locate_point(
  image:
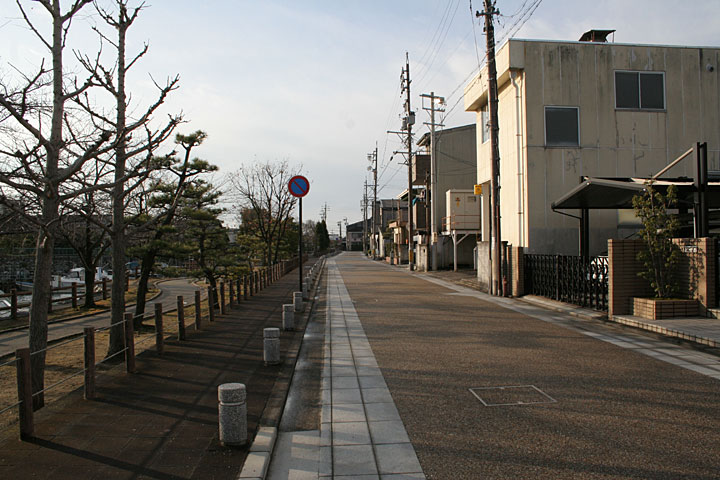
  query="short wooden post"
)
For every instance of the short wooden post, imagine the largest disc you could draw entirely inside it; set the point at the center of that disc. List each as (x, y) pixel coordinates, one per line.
(198, 311)
(73, 288)
(231, 288)
(159, 335)
(13, 304)
(238, 285)
(246, 294)
(24, 389)
(104, 289)
(89, 340)
(181, 317)
(222, 298)
(211, 304)
(129, 344)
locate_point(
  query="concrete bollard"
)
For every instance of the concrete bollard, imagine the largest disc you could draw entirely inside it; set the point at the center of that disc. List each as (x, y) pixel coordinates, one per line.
(306, 289)
(271, 346)
(298, 301)
(288, 316)
(232, 414)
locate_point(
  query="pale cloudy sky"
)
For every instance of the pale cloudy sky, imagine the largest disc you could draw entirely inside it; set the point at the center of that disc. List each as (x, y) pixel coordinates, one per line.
(317, 83)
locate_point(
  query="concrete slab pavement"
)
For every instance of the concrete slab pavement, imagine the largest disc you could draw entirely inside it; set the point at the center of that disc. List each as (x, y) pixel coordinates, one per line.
(361, 434)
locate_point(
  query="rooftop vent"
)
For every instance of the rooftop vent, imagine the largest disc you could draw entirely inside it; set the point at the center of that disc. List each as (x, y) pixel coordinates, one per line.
(596, 36)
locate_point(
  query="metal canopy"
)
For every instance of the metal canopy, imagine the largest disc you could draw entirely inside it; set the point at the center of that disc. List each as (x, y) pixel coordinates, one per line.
(617, 193)
(600, 193)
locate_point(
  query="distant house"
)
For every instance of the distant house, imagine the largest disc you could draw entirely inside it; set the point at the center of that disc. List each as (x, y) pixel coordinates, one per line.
(354, 236)
(391, 213)
(572, 110)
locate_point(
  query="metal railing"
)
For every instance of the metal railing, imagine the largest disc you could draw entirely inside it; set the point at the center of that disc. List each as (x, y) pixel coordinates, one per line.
(462, 222)
(577, 280)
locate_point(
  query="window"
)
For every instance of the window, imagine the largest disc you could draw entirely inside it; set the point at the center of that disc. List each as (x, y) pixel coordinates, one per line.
(562, 126)
(485, 121)
(640, 90)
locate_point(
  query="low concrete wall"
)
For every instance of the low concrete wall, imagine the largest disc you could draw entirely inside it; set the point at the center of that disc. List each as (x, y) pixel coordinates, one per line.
(483, 265)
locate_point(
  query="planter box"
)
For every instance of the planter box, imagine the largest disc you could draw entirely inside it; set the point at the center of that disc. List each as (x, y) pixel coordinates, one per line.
(656, 309)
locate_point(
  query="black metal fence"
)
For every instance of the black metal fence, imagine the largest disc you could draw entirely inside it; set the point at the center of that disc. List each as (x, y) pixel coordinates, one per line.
(580, 281)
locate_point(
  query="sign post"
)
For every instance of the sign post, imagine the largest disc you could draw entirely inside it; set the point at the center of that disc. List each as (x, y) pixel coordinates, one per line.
(299, 187)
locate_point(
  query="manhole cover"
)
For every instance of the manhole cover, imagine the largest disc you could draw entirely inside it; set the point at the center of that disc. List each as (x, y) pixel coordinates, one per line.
(511, 395)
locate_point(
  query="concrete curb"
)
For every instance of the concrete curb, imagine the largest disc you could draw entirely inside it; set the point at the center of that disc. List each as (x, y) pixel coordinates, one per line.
(260, 452)
(572, 310)
(636, 322)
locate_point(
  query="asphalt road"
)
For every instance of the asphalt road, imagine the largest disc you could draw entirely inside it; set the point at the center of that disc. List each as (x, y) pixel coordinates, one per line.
(170, 289)
(614, 413)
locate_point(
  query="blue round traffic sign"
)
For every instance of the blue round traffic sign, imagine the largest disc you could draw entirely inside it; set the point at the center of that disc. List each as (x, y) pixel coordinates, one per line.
(298, 186)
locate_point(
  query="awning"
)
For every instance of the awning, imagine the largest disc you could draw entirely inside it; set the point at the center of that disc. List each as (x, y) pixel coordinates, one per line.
(603, 193)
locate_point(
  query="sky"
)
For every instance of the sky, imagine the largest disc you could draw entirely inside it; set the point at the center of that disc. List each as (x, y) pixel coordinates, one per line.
(317, 83)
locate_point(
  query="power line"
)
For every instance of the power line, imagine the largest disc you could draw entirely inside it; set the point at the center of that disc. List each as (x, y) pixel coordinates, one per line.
(440, 44)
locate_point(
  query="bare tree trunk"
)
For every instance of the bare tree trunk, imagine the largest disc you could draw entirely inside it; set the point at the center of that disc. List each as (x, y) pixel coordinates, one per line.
(117, 343)
(142, 287)
(89, 286)
(39, 306)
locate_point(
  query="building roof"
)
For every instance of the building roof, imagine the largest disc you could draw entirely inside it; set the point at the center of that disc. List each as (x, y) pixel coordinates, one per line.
(424, 141)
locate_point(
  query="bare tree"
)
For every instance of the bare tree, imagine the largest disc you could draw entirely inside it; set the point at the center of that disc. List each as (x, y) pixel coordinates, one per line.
(48, 148)
(265, 203)
(134, 144)
(83, 225)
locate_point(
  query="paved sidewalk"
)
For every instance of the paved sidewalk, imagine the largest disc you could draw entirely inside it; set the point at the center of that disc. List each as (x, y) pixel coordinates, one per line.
(361, 434)
(498, 388)
(160, 423)
(700, 330)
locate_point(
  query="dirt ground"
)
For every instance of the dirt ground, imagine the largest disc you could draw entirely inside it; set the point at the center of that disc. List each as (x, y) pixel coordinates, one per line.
(64, 365)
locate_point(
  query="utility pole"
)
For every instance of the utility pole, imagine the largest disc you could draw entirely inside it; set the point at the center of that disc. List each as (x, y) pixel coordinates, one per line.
(497, 281)
(339, 223)
(364, 209)
(323, 212)
(436, 105)
(408, 122)
(372, 158)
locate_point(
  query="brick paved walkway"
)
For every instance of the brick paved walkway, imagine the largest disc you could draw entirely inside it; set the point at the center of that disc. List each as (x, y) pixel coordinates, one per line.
(161, 422)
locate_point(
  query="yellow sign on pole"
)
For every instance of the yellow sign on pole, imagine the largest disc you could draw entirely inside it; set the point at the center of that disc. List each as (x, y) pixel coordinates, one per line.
(478, 189)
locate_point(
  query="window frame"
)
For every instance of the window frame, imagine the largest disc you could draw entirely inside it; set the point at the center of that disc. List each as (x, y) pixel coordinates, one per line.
(485, 125)
(577, 110)
(640, 108)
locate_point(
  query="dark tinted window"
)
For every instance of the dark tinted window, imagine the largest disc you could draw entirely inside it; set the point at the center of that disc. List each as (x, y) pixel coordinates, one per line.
(561, 126)
(652, 91)
(640, 90)
(627, 94)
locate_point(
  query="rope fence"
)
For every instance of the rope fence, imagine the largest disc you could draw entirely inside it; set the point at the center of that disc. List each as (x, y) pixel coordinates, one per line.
(186, 314)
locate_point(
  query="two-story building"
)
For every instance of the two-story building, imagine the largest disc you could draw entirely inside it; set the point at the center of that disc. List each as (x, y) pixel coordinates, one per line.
(589, 109)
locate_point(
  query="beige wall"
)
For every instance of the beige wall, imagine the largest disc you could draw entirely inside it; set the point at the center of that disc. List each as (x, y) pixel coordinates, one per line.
(613, 143)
